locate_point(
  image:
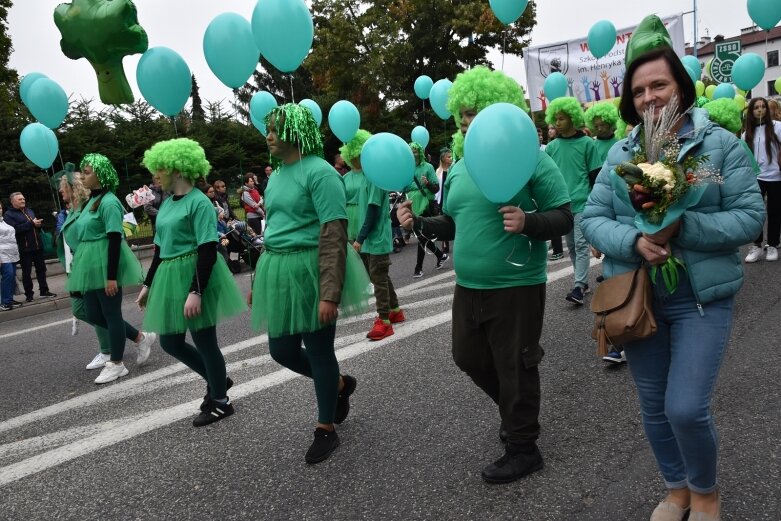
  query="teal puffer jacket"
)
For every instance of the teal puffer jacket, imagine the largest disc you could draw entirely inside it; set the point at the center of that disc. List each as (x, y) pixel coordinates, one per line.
(728, 215)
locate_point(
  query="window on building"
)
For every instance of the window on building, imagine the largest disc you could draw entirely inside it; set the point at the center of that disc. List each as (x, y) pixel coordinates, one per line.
(771, 88)
(772, 58)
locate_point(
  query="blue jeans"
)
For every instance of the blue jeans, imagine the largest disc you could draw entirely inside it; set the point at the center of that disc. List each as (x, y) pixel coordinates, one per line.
(7, 282)
(579, 253)
(675, 372)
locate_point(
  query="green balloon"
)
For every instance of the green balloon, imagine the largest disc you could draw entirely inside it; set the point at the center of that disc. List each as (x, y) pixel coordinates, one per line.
(709, 90)
(699, 88)
(777, 85)
(103, 32)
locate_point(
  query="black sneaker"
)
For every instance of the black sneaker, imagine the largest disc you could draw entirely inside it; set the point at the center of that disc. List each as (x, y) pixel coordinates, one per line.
(205, 402)
(6, 307)
(48, 294)
(418, 274)
(16, 303)
(343, 401)
(215, 411)
(575, 296)
(28, 299)
(442, 260)
(324, 444)
(516, 463)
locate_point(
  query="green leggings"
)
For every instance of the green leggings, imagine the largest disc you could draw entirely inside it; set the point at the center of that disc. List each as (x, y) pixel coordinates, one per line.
(205, 358)
(317, 361)
(80, 312)
(106, 312)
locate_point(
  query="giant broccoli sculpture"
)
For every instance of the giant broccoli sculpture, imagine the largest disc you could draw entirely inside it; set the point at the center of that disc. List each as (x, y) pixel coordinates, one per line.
(103, 32)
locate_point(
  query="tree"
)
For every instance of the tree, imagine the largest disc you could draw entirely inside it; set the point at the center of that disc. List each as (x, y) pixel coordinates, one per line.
(197, 109)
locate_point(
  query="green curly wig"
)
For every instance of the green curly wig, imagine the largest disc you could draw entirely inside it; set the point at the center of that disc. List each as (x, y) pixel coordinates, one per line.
(352, 149)
(480, 87)
(620, 129)
(701, 101)
(605, 111)
(414, 145)
(457, 145)
(296, 125)
(725, 114)
(107, 175)
(568, 105)
(178, 155)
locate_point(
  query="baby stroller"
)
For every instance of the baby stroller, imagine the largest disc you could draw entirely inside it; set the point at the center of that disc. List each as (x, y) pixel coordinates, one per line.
(239, 238)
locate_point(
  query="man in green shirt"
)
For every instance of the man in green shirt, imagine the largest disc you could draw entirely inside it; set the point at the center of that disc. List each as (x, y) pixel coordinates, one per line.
(575, 154)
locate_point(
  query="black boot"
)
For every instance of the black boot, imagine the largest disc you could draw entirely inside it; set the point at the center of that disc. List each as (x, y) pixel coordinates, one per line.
(517, 462)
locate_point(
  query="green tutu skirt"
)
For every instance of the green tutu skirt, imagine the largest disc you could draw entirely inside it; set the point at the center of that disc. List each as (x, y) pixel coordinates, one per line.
(419, 201)
(353, 216)
(171, 287)
(286, 292)
(89, 270)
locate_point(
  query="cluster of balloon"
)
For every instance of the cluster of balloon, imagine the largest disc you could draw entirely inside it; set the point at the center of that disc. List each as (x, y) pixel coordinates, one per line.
(48, 103)
(103, 32)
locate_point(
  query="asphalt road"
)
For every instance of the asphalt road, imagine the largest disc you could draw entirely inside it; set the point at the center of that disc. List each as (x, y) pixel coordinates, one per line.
(413, 447)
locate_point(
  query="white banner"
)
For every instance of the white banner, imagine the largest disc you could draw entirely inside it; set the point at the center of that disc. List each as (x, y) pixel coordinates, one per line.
(589, 79)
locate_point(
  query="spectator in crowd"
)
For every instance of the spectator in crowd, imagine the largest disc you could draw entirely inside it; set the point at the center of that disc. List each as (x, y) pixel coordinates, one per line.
(253, 204)
(28, 239)
(152, 208)
(9, 256)
(340, 165)
(221, 196)
(541, 138)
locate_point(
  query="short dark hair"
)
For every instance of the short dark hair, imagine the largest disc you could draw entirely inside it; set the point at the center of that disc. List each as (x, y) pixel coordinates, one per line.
(681, 77)
(249, 176)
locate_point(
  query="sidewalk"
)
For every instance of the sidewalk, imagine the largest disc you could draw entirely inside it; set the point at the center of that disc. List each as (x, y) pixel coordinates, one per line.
(55, 277)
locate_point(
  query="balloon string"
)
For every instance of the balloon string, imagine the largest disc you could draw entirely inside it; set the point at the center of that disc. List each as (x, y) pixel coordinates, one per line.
(292, 94)
(515, 245)
(423, 102)
(504, 45)
(176, 130)
(55, 199)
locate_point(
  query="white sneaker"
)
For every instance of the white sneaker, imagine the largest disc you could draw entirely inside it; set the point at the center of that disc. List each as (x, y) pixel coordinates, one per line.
(145, 347)
(772, 254)
(111, 372)
(754, 253)
(99, 361)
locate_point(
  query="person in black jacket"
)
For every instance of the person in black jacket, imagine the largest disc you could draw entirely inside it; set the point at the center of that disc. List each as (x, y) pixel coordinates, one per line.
(28, 238)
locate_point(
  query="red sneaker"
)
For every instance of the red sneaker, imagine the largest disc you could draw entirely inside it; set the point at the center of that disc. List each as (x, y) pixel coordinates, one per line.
(380, 330)
(397, 316)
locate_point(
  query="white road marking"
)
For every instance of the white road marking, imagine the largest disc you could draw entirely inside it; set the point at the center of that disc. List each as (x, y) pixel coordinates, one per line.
(37, 328)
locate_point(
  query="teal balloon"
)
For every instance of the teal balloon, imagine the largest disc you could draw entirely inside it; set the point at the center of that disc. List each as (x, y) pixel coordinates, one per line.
(344, 120)
(724, 90)
(555, 86)
(501, 149)
(39, 144)
(27, 82)
(691, 72)
(47, 102)
(694, 64)
(230, 50)
(283, 32)
(420, 135)
(748, 71)
(438, 98)
(423, 86)
(601, 38)
(388, 162)
(164, 80)
(508, 11)
(260, 105)
(765, 13)
(314, 108)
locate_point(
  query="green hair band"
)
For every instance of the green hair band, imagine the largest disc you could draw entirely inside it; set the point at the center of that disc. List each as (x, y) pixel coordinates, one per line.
(178, 155)
(605, 111)
(568, 105)
(725, 114)
(296, 124)
(107, 175)
(480, 87)
(352, 149)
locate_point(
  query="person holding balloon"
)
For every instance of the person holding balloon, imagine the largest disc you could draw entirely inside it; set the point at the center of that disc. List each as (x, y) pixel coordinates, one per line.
(499, 300)
(421, 193)
(103, 263)
(307, 270)
(374, 241)
(763, 136)
(676, 369)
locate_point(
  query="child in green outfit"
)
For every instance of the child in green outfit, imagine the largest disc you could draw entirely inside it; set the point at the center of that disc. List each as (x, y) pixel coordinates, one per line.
(307, 271)
(189, 286)
(421, 192)
(374, 240)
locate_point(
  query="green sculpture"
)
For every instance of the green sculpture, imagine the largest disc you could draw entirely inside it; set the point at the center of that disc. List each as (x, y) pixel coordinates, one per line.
(103, 32)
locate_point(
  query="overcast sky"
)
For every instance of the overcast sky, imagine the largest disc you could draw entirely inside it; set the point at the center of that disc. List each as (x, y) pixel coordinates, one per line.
(180, 24)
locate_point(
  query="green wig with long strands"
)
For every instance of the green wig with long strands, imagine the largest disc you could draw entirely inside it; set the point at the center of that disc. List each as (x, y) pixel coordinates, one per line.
(568, 105)
(178, 155)
(296, 125)
(414, 145)
(605, 111)
(353, 148)
(107, 175)
(620, 129)
(725, 114)
(476, 89)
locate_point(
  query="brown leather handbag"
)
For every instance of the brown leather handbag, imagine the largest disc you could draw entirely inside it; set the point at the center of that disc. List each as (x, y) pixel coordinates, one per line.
(623, 310)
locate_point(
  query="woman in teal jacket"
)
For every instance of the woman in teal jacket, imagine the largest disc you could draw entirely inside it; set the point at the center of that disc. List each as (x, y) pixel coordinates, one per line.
(675, 370)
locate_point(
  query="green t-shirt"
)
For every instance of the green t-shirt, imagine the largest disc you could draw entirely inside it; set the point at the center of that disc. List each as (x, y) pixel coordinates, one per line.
(380, 240)
(299, 199)
(482, 247)
(353, 182)
(69, 233)
(603, 147)
(424, 169)
(184, 224)
(576, 157)
(93, 226)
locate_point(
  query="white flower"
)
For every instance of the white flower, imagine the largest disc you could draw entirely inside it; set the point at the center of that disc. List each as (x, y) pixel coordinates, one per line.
(658, 171)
